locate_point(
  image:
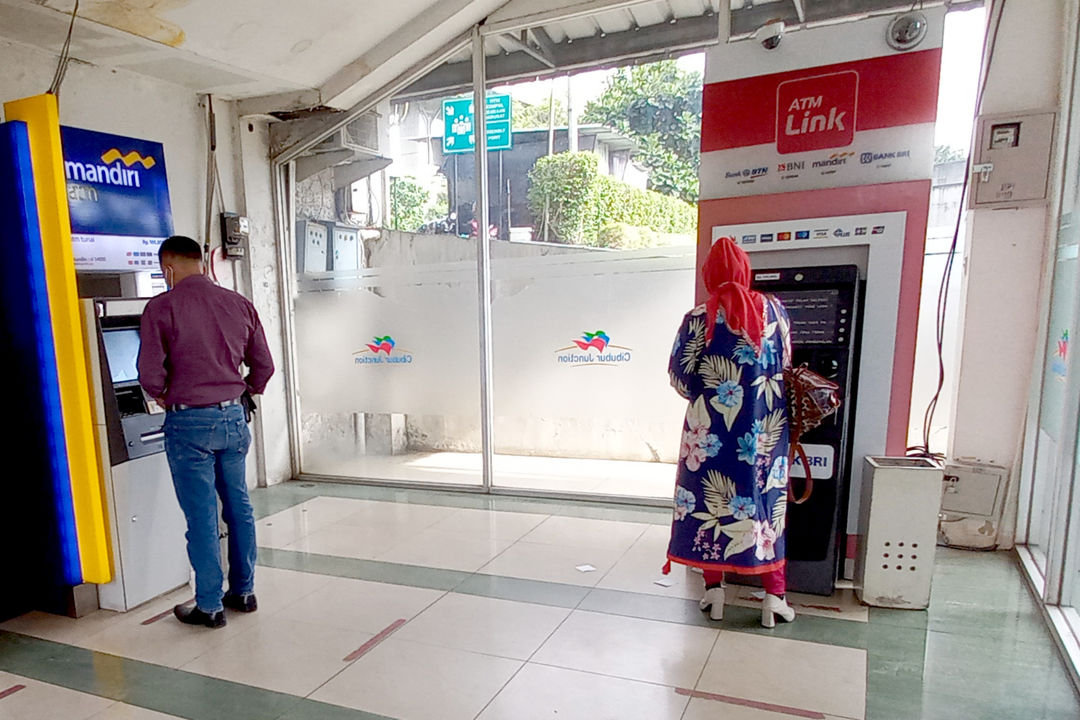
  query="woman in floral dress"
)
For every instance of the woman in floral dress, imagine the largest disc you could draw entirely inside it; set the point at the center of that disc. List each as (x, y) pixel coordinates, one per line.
(731, 487)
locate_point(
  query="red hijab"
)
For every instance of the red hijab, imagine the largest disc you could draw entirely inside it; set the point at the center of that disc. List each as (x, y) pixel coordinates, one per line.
(727, 278)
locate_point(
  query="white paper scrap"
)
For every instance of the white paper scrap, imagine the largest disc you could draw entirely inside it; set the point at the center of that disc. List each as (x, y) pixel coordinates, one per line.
(665, 582)
(586, 568)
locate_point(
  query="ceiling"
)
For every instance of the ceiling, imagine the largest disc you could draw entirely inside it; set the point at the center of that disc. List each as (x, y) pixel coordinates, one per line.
(284, 55)
(242, 48)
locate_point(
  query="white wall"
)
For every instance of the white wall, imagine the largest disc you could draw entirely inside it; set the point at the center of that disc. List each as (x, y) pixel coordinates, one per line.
(1005, 280)
(1006, 252)
(125, 103)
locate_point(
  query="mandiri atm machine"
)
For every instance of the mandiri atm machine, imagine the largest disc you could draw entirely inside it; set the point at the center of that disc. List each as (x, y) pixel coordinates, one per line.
(146, 525)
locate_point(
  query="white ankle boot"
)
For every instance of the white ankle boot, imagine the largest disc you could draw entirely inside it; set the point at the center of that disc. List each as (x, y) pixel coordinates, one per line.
(772, 607)
(713, 602)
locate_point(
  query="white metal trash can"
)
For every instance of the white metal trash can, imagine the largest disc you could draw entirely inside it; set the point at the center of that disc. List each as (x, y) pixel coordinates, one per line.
(898, 531)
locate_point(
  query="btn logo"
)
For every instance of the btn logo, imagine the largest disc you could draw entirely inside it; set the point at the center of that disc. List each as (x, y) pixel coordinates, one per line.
(816, 113)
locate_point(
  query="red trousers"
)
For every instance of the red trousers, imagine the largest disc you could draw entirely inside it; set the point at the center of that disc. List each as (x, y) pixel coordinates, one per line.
(775, 582)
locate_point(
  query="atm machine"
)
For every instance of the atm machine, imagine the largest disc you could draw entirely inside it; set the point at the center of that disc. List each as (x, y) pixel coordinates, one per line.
(146, 525)
(824, 305)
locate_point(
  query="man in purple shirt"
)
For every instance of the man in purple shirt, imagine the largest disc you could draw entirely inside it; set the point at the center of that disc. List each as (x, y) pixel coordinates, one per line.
(194, 339)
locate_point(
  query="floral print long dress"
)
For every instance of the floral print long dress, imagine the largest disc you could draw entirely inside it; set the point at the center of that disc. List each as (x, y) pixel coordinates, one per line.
(731, 489)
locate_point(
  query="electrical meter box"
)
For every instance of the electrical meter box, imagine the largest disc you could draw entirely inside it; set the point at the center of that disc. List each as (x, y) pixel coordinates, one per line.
(972, 505)
(1012, 159)
(312, 247)
(344, 247)
(235, 234)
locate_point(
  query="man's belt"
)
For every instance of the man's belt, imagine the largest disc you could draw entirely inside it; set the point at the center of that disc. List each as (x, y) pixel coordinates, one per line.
(222, 405)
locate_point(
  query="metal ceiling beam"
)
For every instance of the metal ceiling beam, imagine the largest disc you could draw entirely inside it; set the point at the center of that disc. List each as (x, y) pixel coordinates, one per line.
(429, 21)
(747, 20)
(543, 41)
(525, 47)
(651, 43)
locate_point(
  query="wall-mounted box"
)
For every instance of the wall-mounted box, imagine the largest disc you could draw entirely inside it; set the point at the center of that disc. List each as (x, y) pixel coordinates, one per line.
(1011, 166)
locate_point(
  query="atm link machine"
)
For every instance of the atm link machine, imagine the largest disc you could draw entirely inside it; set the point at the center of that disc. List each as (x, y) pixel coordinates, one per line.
(824, 305)
(146, 525)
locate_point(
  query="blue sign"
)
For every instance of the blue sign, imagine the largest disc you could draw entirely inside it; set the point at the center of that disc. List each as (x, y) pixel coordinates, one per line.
(459, 117)
(118, 196)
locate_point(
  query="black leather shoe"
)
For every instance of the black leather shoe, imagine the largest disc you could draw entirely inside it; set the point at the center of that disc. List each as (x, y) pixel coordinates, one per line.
(192, 615)
(241, 603)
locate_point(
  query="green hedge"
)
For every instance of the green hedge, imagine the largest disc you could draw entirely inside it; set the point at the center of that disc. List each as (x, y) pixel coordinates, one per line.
(584, 207)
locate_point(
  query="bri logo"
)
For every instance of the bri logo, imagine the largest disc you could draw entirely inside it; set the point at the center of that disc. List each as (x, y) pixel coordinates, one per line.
(593, 348)
(383, 350)
(816, 113)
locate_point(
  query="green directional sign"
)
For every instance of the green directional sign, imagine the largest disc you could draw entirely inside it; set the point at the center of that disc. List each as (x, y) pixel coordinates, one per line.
(459, 119)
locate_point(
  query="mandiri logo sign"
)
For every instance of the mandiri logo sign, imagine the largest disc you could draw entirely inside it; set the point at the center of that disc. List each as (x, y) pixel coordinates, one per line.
(593, 348)
(816, 113)
(382, 351)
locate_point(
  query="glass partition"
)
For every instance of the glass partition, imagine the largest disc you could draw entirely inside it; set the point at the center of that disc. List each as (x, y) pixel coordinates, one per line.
(594, 229)
(385, 315)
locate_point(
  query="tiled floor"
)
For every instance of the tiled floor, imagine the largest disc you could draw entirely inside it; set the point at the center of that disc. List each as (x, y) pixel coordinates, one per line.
(378, 603)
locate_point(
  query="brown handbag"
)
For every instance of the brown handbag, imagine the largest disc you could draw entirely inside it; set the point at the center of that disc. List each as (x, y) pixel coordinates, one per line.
(811, 399)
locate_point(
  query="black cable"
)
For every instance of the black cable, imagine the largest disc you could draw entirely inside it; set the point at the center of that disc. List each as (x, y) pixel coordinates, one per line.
(65, 55)
(989, 45)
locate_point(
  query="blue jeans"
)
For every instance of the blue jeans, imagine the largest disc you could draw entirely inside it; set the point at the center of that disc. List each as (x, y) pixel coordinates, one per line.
(206, 448)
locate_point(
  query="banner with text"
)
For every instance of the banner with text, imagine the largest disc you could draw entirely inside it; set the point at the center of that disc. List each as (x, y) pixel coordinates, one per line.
(118, 195)
(863, 114)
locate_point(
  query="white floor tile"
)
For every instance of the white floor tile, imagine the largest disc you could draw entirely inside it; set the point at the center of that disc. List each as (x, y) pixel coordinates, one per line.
(703, 709)
(639, 569)
(553, 563)
(485, 625)
(411, 681)
(822, 678)
(282, 655)
(359, 605)
(645, 650)
(353, 541)
(61, 629)
(450, 551)
(539, 692)
(585, 532)
(490, 523)
(277, 588)
(414, 517)
(167, 641)
(842, 605)
(41, 701)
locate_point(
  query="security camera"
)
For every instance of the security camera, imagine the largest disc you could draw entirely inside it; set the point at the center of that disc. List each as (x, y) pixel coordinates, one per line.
(770, 34)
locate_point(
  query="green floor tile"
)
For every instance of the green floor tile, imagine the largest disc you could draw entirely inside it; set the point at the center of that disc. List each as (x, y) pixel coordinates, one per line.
(521, 590)
(372, 570)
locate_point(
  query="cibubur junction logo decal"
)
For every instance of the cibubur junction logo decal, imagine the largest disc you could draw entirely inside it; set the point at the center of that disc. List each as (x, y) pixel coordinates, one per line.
(382, 350)
(593, 348)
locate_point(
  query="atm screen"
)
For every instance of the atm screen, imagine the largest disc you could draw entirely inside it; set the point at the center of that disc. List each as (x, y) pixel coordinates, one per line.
(814, 314)
(122, 349)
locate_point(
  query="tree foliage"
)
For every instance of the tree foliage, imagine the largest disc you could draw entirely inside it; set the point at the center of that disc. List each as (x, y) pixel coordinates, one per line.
(948, 153)
(527, 116)
(659, 106)
(584, 207)
(412, 205)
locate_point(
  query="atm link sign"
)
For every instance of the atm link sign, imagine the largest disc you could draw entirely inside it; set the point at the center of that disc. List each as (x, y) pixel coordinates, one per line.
(816, 113)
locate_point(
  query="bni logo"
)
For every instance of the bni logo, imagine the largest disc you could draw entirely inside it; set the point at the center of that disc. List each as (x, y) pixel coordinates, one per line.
(816, 113)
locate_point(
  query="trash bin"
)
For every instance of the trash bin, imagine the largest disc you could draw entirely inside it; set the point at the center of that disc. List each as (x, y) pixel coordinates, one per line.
(901, 500)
